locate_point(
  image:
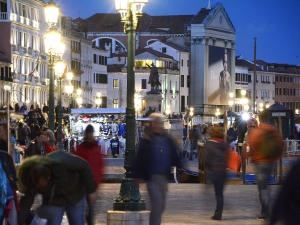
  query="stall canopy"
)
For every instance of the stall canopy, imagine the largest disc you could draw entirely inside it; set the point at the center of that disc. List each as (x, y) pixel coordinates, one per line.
(98, 111)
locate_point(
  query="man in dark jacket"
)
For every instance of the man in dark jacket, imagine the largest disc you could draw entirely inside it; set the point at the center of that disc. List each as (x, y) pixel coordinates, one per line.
(157, 154)
(68, 177)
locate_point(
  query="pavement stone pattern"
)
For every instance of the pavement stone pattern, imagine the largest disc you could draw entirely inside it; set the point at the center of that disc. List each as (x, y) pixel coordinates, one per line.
(195, 203)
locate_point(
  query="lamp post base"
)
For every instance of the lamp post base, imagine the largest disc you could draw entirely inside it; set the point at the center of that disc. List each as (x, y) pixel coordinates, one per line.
(123, 218)
(129, 198)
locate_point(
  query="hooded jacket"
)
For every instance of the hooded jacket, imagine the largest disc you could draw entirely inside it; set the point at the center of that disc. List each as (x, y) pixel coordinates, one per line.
(71, 175)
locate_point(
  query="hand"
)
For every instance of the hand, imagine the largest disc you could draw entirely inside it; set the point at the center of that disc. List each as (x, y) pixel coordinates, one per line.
(92, 197)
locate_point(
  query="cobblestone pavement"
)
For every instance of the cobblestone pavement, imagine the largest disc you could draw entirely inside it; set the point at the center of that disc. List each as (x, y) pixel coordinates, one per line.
(195, 204)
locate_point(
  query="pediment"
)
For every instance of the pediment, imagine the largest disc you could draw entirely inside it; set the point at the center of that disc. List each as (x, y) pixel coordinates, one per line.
(220, 21)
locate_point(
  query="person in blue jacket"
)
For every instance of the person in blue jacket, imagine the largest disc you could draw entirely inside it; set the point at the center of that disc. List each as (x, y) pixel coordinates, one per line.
(156, 155)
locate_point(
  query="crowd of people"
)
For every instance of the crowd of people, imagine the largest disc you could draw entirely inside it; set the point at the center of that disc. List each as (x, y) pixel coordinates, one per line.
(68, 181)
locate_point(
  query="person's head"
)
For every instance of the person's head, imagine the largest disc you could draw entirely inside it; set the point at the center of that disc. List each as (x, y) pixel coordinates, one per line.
(157, 122)
(263, 117)
(217, 132)
(3, 131)
(89, 133)
(41, 136)
(40, 175)
(50, 135)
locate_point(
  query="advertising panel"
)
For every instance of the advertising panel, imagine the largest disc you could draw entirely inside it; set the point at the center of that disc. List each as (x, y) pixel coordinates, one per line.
(218, 77)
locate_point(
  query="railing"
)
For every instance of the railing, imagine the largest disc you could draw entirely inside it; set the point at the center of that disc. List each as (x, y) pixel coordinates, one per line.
(3, 16)
(30, 51)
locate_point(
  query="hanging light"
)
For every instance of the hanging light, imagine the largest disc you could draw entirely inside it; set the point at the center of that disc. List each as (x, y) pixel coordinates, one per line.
(137, 6)
(51, 13)
(52, 41)
(69, 89)
(98, 94)
(60, 67)
(122, 7)
(79, 91)
(69, 75)
(98, 101)
(243, 92)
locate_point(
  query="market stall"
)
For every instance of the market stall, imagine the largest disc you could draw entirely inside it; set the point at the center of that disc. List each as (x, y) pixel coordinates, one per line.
(109, 125)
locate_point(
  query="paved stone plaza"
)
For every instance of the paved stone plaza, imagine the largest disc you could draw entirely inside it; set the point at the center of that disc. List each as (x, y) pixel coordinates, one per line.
(194, 204)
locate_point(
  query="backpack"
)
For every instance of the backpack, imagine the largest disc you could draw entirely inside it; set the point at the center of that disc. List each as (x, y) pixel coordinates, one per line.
(271, 147)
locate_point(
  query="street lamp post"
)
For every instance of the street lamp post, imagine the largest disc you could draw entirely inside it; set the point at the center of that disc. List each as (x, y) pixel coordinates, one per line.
(129, 198)
(52, 42)
(59, 71)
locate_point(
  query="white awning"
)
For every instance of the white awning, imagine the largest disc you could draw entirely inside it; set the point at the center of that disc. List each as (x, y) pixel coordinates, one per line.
(98, 111)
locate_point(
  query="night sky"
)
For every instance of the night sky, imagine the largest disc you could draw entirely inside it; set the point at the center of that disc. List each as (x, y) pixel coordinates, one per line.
(275, 23)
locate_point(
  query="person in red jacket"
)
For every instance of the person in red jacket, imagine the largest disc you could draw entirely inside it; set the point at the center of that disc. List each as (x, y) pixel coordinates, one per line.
(91, 152)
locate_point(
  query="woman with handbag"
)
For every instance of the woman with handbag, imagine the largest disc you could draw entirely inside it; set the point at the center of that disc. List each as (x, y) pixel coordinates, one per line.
(215, 161)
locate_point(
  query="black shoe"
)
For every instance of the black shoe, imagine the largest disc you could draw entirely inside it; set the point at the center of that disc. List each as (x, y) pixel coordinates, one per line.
(263, 218)
(190, 158)
(216, 217)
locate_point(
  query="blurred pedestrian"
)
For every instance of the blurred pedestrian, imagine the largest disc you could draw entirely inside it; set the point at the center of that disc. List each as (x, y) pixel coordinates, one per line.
(8, 178)
(91, 152)
(34, 129)
(215, 161)
(156, 155)
(63, 180)
(45, 114)
(3, 141)
(287, 205)
(194, 136)
(266, 147)
(17, 108)
(22, 134)
(37, 147)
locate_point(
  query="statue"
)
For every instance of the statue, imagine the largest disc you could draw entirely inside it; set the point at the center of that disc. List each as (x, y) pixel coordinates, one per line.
(150, 110)
(154, 78)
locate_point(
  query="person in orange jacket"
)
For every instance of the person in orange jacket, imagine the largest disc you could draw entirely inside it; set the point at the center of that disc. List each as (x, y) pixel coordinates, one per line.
(266, 147)
(91, 152)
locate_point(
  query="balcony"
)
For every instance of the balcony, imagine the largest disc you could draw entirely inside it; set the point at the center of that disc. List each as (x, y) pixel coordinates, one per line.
(171, 91)
(15, 49)
(3, 16)
(29, 51)
(13, 17)
(25, 51)
(16, 77)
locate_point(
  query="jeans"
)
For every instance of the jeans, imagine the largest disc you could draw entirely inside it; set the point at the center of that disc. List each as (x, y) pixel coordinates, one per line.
(75, 213)
(263, 172)
(157, 188)
(218, 180)
(90, 213)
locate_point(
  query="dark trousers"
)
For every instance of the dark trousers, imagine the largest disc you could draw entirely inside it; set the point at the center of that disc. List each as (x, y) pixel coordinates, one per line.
(263, 171)
(90, 213)
(218, 180)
